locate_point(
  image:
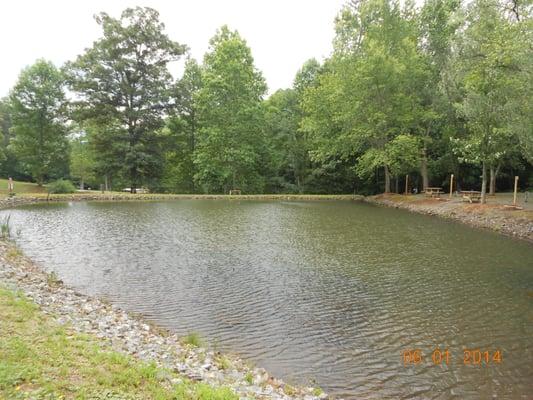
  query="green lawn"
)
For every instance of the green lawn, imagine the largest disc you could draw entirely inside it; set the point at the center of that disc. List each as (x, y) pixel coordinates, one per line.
(21, 187)
(40, 359)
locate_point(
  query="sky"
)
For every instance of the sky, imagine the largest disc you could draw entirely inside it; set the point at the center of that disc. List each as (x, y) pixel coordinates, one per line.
(282, 34)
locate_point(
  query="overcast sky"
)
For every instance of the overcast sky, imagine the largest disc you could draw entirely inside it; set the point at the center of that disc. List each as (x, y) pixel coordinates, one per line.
(281, 33)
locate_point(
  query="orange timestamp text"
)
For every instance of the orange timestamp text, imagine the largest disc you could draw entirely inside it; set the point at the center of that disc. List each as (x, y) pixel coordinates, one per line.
(476, 357)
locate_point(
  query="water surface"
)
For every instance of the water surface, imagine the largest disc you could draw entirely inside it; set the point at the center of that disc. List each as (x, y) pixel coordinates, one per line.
(325, 292)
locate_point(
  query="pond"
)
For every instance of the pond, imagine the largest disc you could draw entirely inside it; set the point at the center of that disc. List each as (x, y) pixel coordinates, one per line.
(341, 294)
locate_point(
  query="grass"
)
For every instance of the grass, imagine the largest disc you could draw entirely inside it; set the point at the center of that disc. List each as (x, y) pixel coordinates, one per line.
(289, 390)
(249, 378)
(5, 228)
(41, 360)
(52, 279)
(223, 362)
(21, 187)
(193, 339)
(13, 253)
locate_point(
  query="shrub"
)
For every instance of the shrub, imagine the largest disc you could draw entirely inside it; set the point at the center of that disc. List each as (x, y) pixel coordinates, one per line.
(61, 186)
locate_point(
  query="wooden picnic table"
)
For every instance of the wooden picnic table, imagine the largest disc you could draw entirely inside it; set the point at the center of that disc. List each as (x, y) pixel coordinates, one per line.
(472, 196)
(434, 191)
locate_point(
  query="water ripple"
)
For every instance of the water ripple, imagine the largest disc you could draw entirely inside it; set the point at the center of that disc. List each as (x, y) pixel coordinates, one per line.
(333, 292)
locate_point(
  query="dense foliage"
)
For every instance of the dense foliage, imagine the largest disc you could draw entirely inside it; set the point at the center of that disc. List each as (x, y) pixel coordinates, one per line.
(125, 91)
(427, 91)
(38, 117)
(61, 186)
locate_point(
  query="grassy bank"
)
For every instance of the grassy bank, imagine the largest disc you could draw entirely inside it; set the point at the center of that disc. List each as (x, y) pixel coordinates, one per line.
(40, 359)
(21, 187)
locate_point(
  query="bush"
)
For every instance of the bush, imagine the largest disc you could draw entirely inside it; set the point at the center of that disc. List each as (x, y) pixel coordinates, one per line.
(61, 186)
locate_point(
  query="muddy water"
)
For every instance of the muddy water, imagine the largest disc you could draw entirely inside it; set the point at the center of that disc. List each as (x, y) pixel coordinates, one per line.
(336, 293)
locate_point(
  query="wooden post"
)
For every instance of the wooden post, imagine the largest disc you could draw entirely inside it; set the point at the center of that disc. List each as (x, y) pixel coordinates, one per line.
(451, 186)
(406, 184)
(515, 189)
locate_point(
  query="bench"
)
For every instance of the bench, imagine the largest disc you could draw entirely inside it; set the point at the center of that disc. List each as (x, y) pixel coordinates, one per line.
(472, 196)
(433, 191)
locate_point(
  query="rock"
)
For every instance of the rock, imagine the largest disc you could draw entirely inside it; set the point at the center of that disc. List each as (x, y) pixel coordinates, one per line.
(180, 368)
(163, 375)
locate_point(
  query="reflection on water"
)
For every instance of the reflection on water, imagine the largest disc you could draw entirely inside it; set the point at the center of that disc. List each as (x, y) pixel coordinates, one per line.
(327, 291)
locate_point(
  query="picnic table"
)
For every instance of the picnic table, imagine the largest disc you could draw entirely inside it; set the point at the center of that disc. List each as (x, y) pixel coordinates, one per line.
(434, 191)
(472, 196)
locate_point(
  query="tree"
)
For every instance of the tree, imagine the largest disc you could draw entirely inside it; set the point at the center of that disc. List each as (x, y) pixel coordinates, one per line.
(489, 65)
(81, 160)
(284, 140)
(401, 155)
(366, 96)
(231, 147)
(5, 125)
(520, 107)
(125, 90)
(438, 22)
(288, 142)
(38, 106)
(182, 131)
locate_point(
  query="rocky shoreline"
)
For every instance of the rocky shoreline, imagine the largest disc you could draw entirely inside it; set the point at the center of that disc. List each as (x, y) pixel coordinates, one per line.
(494, 217)
(132, 335)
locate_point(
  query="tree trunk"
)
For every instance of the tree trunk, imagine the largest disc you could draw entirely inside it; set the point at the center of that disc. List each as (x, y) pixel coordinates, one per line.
(396, 185)
(484, 183)
(492, 182)
(106, 185)
(424, 169)
(40, 151)
(133, 174)
(81, 184)
(387, 180)
(192, 147)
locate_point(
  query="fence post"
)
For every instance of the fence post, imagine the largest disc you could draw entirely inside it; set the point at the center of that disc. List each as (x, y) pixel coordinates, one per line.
(451, 186)
(515, 189)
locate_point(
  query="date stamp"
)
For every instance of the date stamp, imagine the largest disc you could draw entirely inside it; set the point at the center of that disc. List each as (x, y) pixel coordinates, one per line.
(470, 357)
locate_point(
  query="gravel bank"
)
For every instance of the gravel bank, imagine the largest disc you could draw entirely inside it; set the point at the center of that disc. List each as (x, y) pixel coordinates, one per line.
(132, 335)
(495, 217)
